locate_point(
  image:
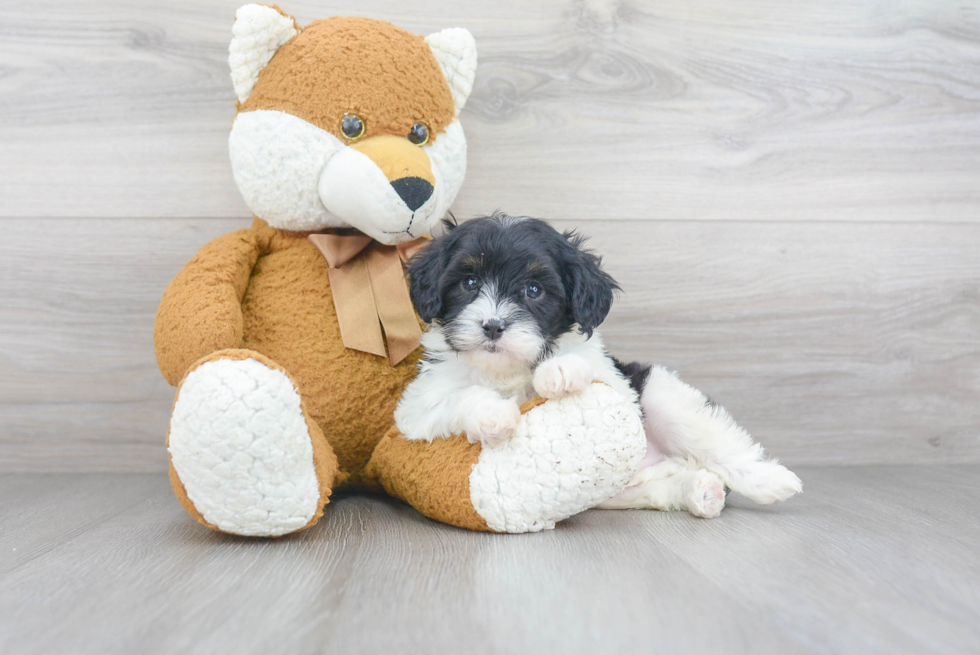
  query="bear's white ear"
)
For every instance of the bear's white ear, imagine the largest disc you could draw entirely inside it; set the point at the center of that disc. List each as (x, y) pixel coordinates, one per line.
(258, 32)
(455, 50)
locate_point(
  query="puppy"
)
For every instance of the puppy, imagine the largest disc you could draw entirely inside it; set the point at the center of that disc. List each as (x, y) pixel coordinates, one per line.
(512, 306)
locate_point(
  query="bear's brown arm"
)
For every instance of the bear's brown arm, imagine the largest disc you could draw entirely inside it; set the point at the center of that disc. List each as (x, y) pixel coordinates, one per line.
(201, 310)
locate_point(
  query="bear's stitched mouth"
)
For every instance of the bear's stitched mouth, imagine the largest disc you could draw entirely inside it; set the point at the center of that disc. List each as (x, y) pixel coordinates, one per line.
(407, 230)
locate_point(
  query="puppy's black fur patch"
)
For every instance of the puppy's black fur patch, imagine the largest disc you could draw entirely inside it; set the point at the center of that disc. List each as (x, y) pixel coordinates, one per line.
(636, 372)
(512, 254)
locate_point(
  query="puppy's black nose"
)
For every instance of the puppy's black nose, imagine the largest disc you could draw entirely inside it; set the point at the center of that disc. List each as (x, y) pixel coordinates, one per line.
(413, 190)
(493, 328)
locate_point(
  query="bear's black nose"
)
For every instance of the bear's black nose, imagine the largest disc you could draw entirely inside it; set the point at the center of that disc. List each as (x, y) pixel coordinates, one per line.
(493, 328)
(413, 190)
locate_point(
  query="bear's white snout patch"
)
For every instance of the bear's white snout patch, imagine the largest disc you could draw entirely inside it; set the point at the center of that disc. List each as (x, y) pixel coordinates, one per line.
(356, 191)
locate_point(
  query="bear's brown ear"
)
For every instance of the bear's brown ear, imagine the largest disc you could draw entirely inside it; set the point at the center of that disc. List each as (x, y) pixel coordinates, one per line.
(258, 32)
(455, 50)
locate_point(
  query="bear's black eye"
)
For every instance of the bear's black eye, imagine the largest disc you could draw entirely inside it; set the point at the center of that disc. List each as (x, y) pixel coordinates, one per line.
(352, 126)
(470, 283)
(533, 291)
(419, 134)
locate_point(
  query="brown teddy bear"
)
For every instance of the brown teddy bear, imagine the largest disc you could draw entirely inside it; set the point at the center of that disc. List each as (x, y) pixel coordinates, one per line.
(291, 341)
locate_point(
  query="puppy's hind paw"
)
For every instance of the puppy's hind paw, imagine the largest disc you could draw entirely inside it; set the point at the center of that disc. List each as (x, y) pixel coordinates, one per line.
(562, 376)
(493, 421)
(767, 482)
(704, 494)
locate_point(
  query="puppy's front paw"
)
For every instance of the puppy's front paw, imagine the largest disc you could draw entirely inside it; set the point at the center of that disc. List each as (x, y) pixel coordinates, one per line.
(492, 421)
(563, 376)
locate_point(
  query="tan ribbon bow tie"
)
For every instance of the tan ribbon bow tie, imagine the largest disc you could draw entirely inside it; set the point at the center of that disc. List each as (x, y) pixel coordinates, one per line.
(369, 292)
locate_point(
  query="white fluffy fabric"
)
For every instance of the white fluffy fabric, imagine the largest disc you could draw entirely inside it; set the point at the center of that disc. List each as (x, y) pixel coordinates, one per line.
(241, 448)
(257, 33)
(566, 456)
(353, 188)
(448, 157)
(277, 160)
(455, 50)
(299, 177)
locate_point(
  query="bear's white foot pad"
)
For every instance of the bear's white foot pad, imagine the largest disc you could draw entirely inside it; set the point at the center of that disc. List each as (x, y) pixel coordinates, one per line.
(240, 445)
(568, 454)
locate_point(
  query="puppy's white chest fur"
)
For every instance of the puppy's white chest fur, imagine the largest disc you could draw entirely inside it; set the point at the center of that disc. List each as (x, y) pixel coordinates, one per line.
(492, 370)
(509, 382)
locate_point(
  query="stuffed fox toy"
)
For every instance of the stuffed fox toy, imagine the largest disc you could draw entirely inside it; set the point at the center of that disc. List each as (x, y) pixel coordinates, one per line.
(291, 341)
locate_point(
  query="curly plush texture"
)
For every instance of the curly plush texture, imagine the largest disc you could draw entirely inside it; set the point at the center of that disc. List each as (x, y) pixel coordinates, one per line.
(245, 457)
(264, 294)
(201, 309)
(291, 161)
(277, 160)
(397, 82)
(455, 50)
(568, 455)
(433, 477)
(259, 31)
(267, 290)
(273, 413)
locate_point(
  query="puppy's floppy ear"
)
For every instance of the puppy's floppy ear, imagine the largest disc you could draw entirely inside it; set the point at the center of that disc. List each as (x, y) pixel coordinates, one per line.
(590, 289)
(425, 271)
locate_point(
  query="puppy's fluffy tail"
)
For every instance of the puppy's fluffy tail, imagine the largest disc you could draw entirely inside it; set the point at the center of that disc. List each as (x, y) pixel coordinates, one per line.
(681, 421)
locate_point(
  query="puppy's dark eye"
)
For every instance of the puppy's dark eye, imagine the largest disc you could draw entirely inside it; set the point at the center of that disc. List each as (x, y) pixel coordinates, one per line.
(352, 126)
(470, 283)
(419, 134)
(533, 291)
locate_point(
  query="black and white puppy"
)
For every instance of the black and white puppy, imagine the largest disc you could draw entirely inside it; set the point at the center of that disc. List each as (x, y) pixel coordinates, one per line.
(512, 306)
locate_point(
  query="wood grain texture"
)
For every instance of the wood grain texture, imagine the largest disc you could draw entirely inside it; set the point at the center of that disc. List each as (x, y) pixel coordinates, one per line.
(78, 378)
(833, 343)
(867, 560)
(755, 110)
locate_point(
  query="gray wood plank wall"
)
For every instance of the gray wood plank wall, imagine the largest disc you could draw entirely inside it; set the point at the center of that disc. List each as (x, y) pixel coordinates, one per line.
(789, 193)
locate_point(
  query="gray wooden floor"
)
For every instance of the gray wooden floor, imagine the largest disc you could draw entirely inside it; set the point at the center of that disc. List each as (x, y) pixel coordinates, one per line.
(872, 559)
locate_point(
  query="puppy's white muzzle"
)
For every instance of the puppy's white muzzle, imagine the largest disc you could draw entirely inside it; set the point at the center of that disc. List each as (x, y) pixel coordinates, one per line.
(518, 341)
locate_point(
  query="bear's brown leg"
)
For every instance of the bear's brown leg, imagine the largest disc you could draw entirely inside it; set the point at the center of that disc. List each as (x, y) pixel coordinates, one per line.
(245, 457)
(434, 478)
